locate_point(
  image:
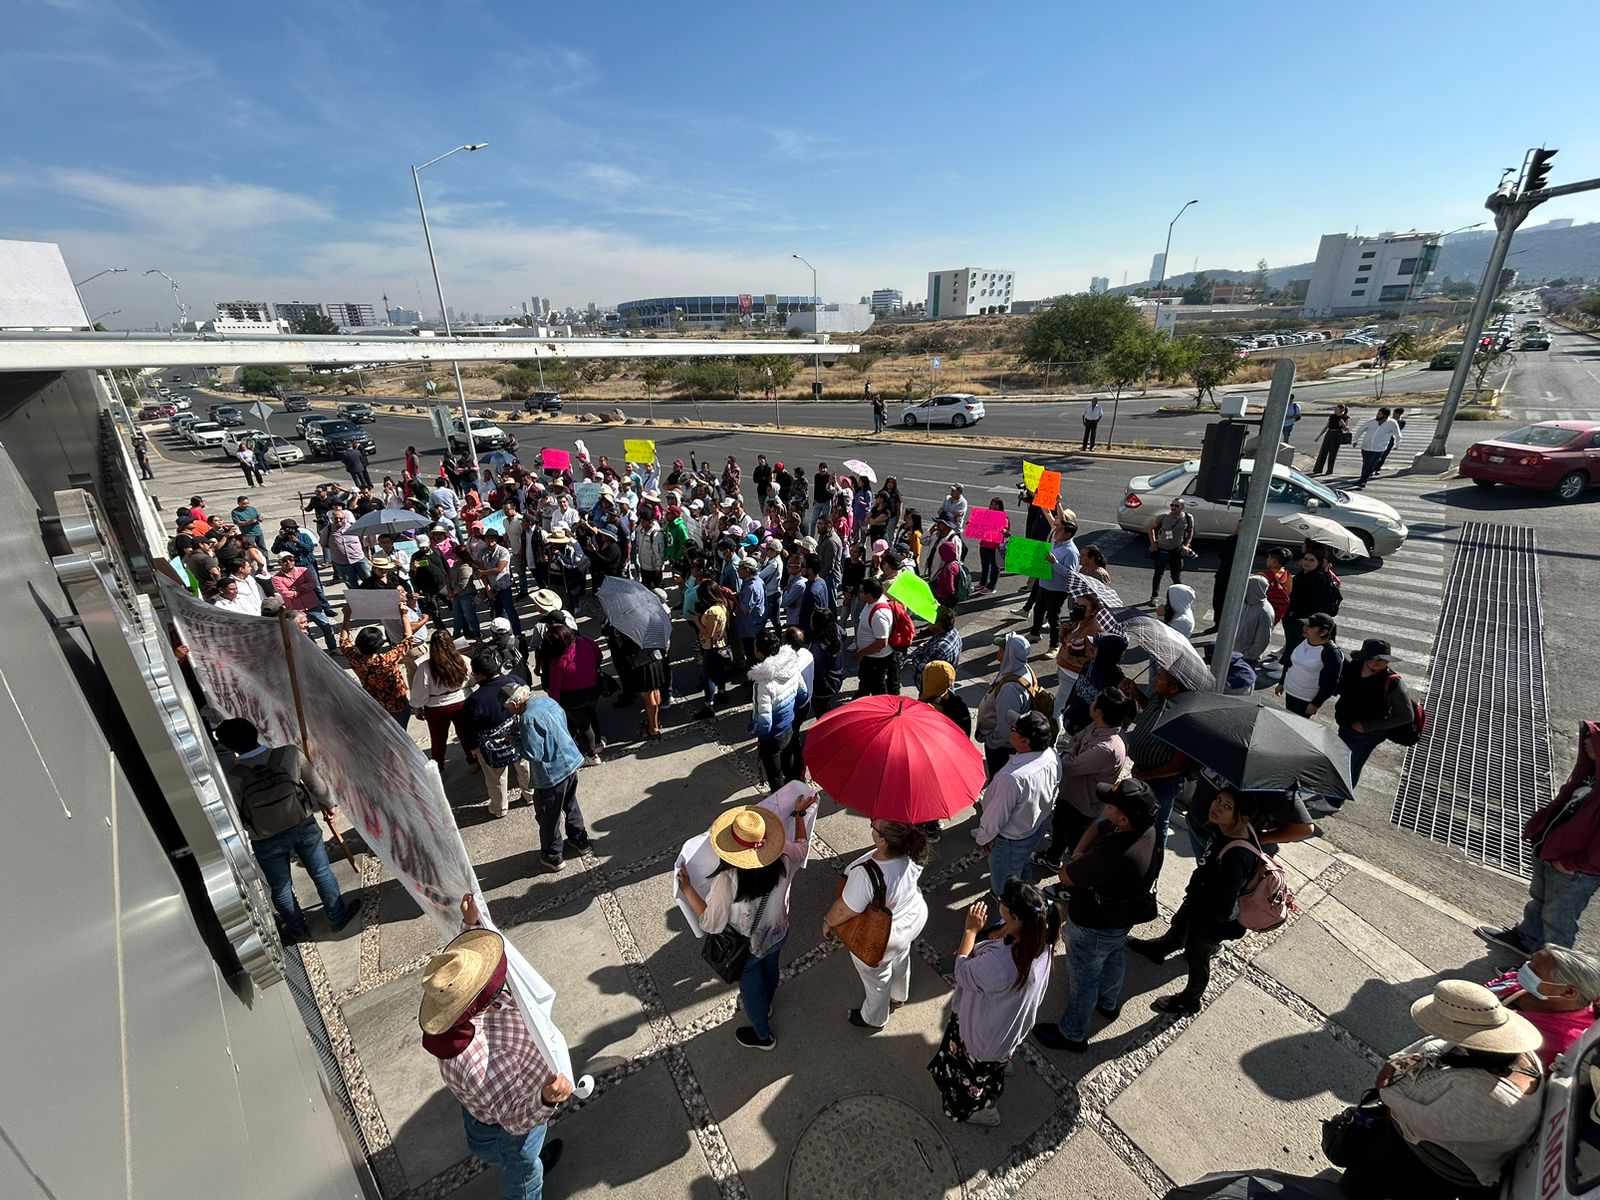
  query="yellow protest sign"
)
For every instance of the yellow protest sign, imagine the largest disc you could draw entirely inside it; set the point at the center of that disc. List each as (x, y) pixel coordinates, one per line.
(639, 450)
(1031, 473)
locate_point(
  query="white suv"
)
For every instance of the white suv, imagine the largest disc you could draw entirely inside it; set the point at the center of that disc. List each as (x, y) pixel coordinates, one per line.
(205, 435)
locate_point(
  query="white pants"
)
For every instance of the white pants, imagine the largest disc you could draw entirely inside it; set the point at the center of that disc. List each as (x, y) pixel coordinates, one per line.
(891, 981)
(1065, 682)
(494, 779)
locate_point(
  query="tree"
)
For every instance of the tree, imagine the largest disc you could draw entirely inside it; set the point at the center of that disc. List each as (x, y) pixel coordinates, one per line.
(1208, 362)
(1134, 357)
(262, 380)
(1199, 289)
(1259, 280)
(314, 323)
(861, 363)
(1484, 361)
(1078, 330)
(1400, 345)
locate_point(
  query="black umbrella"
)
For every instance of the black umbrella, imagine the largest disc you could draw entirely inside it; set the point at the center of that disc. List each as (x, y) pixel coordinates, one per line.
(1257, 1185)
(636, 612)
(1256, 746)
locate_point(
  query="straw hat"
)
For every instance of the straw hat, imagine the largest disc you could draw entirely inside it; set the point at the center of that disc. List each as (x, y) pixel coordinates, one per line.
(748, 837)
(453, 978)
(382, 564)
(546, 601)
(1468, 1015)
(558, 538)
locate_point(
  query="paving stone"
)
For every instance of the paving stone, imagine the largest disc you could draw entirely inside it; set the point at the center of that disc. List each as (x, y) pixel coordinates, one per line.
(1084, 1168)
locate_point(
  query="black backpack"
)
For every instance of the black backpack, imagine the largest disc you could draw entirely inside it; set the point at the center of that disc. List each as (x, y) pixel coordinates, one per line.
(270, 793)
(499, 746)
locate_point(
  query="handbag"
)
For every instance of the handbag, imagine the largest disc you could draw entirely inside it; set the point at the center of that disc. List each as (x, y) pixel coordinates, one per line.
(728, 950)
(1346, 437)
(866, 935)
(1339, 1131)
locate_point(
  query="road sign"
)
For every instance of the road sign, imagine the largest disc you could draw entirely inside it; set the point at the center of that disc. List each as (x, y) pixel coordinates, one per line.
(935, 362)
(439, 415)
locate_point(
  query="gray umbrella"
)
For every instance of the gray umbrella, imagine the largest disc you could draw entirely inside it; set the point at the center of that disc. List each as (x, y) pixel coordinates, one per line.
(388, 520)
(1171, 651)
(635, 612)
(1258, 1185)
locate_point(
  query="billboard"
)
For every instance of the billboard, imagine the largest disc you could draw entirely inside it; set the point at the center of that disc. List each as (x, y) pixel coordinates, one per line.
(747, 304)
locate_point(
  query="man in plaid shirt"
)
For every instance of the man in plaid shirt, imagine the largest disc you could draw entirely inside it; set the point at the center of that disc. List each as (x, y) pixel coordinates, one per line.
(489, 1060)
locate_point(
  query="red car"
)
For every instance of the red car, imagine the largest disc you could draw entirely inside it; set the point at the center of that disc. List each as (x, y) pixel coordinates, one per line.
(154, 412)
(1563, 456)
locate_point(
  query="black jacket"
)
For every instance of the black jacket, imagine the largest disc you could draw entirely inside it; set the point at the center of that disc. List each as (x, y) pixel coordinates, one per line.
(1113, 884)
(1313, 592)
(483, 711)
(1376, 702)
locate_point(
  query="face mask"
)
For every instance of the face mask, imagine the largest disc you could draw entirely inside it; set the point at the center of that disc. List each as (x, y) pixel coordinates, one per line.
(1077, 612)
(1528, 980)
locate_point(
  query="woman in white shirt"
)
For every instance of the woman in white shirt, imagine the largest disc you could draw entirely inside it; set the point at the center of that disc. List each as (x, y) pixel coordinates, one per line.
(439, 691)
(899, 853)
(1314, 667)
(750, 892)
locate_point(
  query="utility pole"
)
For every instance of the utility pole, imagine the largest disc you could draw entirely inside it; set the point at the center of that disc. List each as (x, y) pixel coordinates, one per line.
(1255, 508)
(1510, 203)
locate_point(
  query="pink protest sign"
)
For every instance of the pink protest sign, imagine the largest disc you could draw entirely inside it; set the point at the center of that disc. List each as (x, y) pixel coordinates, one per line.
(988, 525)
(556, 460)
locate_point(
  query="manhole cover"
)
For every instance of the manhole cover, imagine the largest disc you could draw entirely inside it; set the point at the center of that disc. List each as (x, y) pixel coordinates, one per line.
(871, 1146)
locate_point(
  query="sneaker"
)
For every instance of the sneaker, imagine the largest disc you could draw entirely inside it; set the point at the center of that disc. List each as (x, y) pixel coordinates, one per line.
(553, 863)
(746, 1037)
(592, 761)
(1177, 1003)
(1506, 939)
(350, 911)
(1052, 1037)
(988, 1116)
(1043, 858)
(1149, 948)
(1110, 1014)
(580, 847)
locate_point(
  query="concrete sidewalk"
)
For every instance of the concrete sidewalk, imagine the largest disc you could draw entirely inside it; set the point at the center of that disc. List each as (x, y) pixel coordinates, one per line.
(1295, 1025)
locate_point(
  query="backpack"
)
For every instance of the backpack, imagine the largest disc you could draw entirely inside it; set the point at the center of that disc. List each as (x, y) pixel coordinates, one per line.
(1408, 735)
(499, 746)
(1039, 700)
(963, 583)
(1266, 901)
(271, 796)
(901, 631)
(1335, 594)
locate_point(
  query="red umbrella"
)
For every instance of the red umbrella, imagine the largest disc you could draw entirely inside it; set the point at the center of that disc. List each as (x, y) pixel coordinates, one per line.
(894, 758)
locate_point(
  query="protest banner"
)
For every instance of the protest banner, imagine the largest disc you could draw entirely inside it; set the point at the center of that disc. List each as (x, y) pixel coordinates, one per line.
(1048, 493)
(1030, 475)
(373, 604)
(587, 495)
(987, 525)
(701, 860)
(640, 451)
(495, 521)
(377, 775)
(913, 591)
(1027, 556)
(555, 460)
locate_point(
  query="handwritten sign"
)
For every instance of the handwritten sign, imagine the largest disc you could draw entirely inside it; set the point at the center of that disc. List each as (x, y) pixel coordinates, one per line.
(1026, 556)
(588, 495)
(495, 521)
(639, 450)
(988, 526)
(372, 604)
(1048, 494)
(914, 592)
(1030, 475)
(555, 460)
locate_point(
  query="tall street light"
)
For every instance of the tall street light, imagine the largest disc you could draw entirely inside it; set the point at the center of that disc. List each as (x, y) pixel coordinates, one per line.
(1415, 275)
(183, 309)
(78, 287)
(816, 327)
(1168, 250)
(444, 313)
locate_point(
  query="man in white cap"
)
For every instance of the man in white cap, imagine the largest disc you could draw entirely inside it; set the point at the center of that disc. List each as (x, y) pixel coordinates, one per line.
(489, 1060)
(553, 760)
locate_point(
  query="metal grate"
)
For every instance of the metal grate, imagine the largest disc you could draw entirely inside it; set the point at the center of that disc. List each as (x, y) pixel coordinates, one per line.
(305, 999)
(1484, 765)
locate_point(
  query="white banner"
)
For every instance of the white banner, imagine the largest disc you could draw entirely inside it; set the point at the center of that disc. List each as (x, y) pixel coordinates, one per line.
(388, 788)
(702, 860)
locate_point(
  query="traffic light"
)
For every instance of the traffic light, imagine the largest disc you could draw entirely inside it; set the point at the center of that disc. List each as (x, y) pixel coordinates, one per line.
(1220, 453)
(1538, 171)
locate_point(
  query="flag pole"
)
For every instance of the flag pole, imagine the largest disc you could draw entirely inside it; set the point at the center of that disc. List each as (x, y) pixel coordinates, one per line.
(305, 741)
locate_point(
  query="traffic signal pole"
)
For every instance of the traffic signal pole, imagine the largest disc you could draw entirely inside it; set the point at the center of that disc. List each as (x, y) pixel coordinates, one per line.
(1510, 208)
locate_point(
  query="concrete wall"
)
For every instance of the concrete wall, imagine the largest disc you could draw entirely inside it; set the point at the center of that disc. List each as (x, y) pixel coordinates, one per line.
(835, 318)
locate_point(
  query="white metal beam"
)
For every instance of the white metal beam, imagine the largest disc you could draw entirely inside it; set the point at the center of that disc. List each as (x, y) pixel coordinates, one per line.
(100, 351)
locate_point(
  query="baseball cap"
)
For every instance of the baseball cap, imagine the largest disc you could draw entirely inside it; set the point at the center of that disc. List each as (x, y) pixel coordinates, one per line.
(1133, 796)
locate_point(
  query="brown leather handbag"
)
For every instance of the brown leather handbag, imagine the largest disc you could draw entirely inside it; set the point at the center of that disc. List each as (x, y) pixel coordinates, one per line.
(866, 935)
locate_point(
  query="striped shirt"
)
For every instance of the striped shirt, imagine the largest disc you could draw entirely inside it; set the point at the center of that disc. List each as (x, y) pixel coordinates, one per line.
(499, 1077)
(1145, 750)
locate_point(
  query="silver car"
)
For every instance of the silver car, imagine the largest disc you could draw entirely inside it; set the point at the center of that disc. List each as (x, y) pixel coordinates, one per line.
(1291, 493)
(957, 409)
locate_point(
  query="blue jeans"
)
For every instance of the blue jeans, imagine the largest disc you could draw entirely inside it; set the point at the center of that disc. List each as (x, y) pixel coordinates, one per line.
(351, 574)
(318, 618)
(989, 567)
(1167, 791)
(1555, 902)
(305, 841)
(1008, 858)
(516, 1154)
(504, 604)
(757, 986)
(1361, 747)
(464, 612)
(1099, 963)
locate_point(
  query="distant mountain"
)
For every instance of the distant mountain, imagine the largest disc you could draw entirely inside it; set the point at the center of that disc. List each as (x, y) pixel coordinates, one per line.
(1537, 253)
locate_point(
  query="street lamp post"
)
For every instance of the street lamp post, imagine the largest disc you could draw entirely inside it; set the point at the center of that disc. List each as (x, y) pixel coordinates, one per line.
(1168, 250)
(183, 309)
(816, 328)
(444, 313)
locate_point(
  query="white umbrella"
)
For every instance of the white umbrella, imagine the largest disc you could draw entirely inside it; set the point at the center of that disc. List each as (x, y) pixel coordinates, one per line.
(388, 520)
(1171, 651)
(856, 467)
(1328, 532)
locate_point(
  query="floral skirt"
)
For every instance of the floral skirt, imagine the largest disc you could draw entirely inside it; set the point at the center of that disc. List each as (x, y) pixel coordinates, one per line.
(965, 1084)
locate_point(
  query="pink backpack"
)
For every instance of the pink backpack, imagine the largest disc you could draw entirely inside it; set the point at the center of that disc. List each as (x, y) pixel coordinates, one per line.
(1266, 901)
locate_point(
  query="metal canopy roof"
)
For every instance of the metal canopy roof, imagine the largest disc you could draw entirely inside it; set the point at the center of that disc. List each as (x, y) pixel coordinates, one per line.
(97, 351)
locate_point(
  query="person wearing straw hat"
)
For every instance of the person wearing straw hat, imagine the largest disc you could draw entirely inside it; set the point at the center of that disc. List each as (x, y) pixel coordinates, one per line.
(1458, 1104)
(489, 1060)
(750, 893)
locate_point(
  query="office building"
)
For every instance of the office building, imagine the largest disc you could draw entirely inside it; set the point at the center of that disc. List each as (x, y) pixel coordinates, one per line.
(1158, 267)
(404, 316)
(887, 300)
(1099, 283)
(969, 292)
(348, 314)
(1355, 274)
(244, 310)
(243, 325)
(295, 311)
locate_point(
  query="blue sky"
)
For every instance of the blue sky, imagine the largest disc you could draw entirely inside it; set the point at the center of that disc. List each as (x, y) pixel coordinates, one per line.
(261, 151)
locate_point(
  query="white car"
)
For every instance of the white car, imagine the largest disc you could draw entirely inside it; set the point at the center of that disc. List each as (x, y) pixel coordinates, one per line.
(233, 439)
(205, 435)
(486, 435)
(956, 409)
(280, 451)
(1291, 494)
(180, 402)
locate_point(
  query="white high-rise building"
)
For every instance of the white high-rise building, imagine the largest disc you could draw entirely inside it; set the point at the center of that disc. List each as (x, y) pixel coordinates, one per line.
(351, 313)
(969, 292)
(887, 300)
(1158, 267)
(1354, 274)
(244, 310)
(1099, 283)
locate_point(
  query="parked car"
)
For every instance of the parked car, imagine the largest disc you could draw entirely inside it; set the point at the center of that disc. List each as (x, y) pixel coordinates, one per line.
(279, 451)
(181, 422)
(233, 439)
(1561, 456)
(204, 435)
(957, 409)
(1535, 341)
(1290, 494)
(154, 412)
(327, 438)
(486, 435)
(542, 402)
(1445, 360)
(358, 414)
(229, 416)
(297, 404)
